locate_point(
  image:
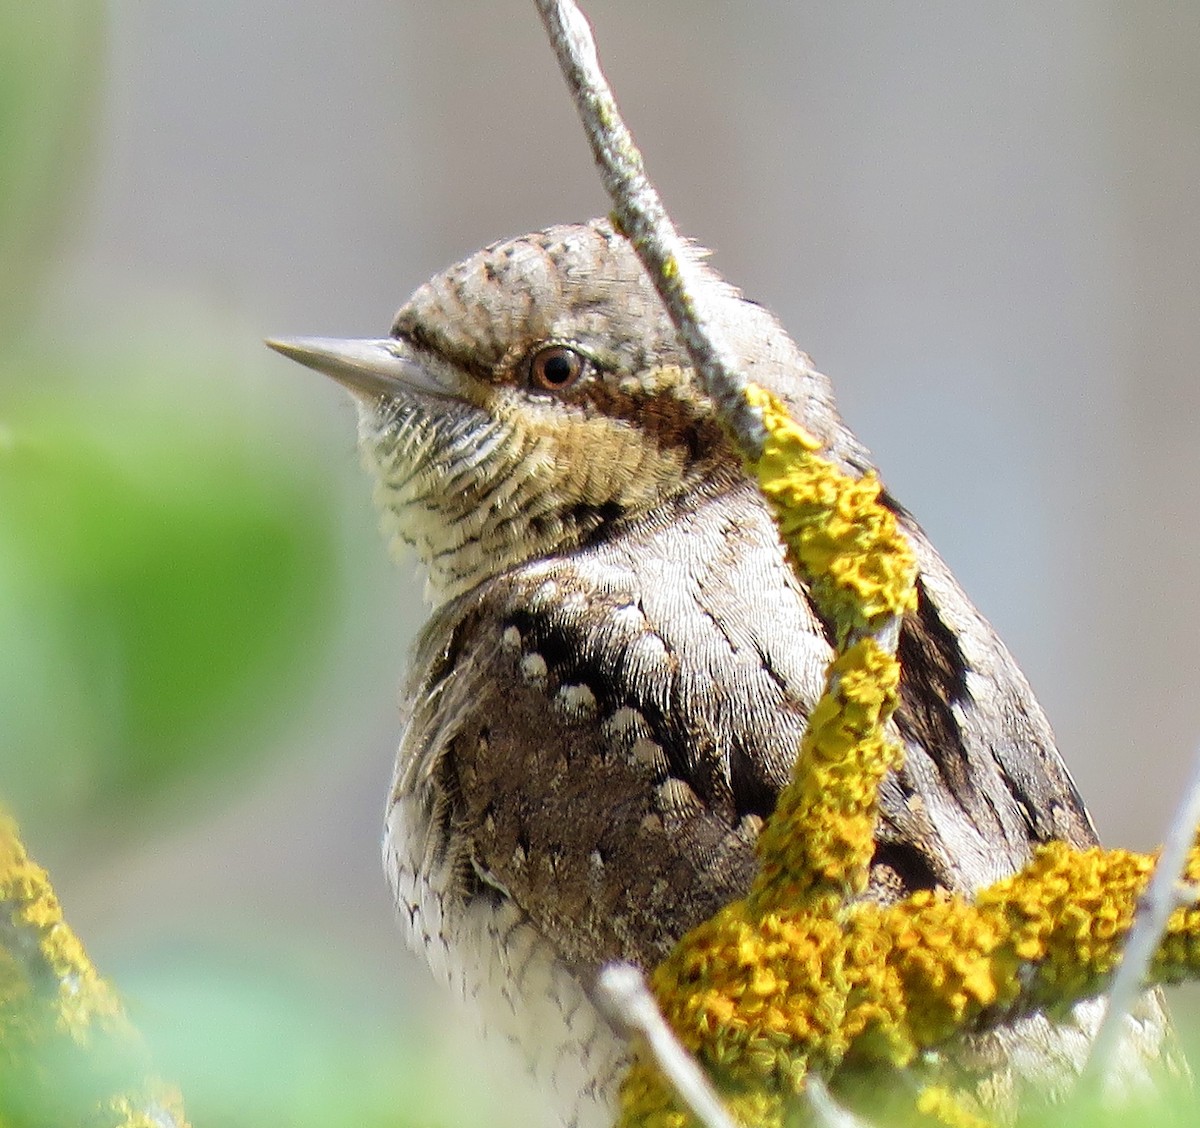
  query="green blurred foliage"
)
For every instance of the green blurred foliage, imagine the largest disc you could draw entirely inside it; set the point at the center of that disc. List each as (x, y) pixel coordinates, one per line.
(260, 1034)
(164, 578)
(1174, 1108)
(271, 1037)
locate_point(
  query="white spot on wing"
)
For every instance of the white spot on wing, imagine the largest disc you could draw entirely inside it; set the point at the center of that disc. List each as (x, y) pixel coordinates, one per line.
(533, 669)
(629, 617)
(625, 726)
(577, 701)
(511, 639)
(546, 593)
(649, 754)
(676, 797)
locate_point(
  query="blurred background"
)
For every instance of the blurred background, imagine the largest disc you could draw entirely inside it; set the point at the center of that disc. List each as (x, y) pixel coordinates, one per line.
(980, 219)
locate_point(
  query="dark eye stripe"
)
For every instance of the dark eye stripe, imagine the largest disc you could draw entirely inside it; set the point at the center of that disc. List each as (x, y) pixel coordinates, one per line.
(666, 418)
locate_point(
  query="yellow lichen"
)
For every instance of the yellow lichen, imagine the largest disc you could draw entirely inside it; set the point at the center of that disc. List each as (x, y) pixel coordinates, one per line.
(84, 1002)
(848, 547)
(843, 542)
(63, 1032)
(940, 1104)
(817, 849)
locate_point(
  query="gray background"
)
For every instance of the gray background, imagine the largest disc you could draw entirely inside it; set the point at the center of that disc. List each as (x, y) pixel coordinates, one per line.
(980, 219)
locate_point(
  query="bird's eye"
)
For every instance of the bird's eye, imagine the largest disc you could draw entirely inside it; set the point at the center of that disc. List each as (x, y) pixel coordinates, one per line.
(555, 368)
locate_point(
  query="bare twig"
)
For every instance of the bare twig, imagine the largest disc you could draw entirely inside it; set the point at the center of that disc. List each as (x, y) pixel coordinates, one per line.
(826, 1112)
(641, 215)
(624, 993)
(1165, 892)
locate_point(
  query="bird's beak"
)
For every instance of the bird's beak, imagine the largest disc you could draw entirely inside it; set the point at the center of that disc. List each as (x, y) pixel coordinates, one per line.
(368, 368)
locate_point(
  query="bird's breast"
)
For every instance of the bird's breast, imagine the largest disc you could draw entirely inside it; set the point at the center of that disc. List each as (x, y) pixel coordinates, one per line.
(565, 791)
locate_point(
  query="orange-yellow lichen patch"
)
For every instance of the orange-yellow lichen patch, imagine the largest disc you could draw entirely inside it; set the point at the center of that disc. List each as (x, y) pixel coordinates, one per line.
(861, 571)
(762, 1000)
(84, 1001)
(818, 845)
(63, 1032)
(845, 543)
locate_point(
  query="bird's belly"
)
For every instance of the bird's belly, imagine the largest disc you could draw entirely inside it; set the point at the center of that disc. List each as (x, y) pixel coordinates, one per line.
(508, 976)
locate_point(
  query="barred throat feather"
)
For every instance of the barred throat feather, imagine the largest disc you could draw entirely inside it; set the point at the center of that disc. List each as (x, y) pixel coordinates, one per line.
(476, 490)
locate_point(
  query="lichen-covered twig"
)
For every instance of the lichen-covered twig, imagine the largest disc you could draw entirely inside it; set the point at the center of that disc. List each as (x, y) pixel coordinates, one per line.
(855, 553)
(816, 849)
(624, 993)
(799, 978)
(68, 1054)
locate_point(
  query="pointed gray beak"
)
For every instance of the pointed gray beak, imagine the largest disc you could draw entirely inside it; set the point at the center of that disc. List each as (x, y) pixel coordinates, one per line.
(368, 368)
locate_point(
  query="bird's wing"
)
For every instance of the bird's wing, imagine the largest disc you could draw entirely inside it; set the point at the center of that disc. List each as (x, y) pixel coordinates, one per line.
(556, 779)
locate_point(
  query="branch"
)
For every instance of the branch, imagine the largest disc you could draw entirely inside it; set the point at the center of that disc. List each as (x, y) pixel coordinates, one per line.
(623, 993)
(1166, 892)
(826, 1112)
(870, 585)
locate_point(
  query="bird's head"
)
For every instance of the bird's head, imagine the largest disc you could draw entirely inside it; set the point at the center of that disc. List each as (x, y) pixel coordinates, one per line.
(535, 397)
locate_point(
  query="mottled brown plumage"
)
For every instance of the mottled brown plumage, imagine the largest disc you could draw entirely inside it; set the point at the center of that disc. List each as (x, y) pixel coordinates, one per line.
(610, 692)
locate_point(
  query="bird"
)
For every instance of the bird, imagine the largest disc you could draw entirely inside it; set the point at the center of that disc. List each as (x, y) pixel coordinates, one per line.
(619, 663)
